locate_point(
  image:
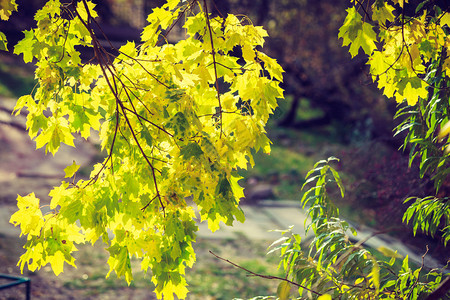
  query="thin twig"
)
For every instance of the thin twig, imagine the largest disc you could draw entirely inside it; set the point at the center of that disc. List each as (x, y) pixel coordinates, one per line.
(143, 154)
(213, 53)
(418, 275)
(265, 276)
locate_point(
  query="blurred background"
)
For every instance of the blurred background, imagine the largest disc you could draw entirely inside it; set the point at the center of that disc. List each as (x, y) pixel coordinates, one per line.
(332, 108)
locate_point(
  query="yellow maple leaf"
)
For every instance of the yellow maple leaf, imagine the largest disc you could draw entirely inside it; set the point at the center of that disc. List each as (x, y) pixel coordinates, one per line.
(400, 2)
(383, 13)
(57, 262)
(445, 19)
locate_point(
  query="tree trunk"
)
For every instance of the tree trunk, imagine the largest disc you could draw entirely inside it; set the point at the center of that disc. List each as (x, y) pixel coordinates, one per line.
(289, 119)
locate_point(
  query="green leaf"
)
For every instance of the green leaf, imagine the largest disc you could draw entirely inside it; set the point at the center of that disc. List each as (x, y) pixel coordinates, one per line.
(179, 124)
(191, 150)
(119, 261)
(357, 34)
(58, 132)
(223, 187)
(338, 181)
(383, 13)
(25, 46)
(389, 252)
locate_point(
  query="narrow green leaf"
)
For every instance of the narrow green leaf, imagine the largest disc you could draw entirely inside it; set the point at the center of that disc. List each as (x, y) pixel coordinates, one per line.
(284, 290)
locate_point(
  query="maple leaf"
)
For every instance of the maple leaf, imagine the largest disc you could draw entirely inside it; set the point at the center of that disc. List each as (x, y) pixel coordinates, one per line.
(25, 46)
(445, 19)
(357, 33)
(57, 262)
(57, 132)
(29, 215)
(7, 8)
(383, 12)
(70, 170)
(84, 14)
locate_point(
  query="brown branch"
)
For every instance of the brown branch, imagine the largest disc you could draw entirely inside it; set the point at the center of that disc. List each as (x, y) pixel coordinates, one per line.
(237, 111)
(64, 44)
(143, 154)
(131, 101)
(361, 242)
(99, 57)
(418, 274)
(95, 178)
(164, 37)
(105, 65)
(150, 122)
(213, 53)
(145, 207)
(366, 14)
(265, 276)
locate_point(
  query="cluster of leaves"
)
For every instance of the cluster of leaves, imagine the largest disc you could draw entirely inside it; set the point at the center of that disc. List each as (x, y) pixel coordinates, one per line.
(407, 55)
(428, 212)
(6, 9)
(175, 120)
(335, 268)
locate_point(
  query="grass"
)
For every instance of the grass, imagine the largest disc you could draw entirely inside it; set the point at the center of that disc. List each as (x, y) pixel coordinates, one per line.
(293, 154)
(212, 278)
(284, 168)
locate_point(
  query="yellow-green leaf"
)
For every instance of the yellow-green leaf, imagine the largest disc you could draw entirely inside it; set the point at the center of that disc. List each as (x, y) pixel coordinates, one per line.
(383, 12)
(70, 170)
(375, 274)
(6, 8)
(3, 42)
(389, 252)
(357, 33)
(284, 290)
(248, 53)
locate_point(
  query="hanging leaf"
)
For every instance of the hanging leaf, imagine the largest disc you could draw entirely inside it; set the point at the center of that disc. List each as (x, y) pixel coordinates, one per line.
(284, 290)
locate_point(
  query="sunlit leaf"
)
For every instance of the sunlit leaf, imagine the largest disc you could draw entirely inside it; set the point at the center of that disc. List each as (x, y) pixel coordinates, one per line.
(283, 290)
(70, 170)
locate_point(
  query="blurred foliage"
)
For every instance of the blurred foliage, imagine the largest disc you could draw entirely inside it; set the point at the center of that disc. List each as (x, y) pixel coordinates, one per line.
(303, 39)
(332, 265)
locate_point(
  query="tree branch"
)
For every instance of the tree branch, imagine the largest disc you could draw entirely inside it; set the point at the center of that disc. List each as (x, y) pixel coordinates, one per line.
(213, 52)
(265, 276)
